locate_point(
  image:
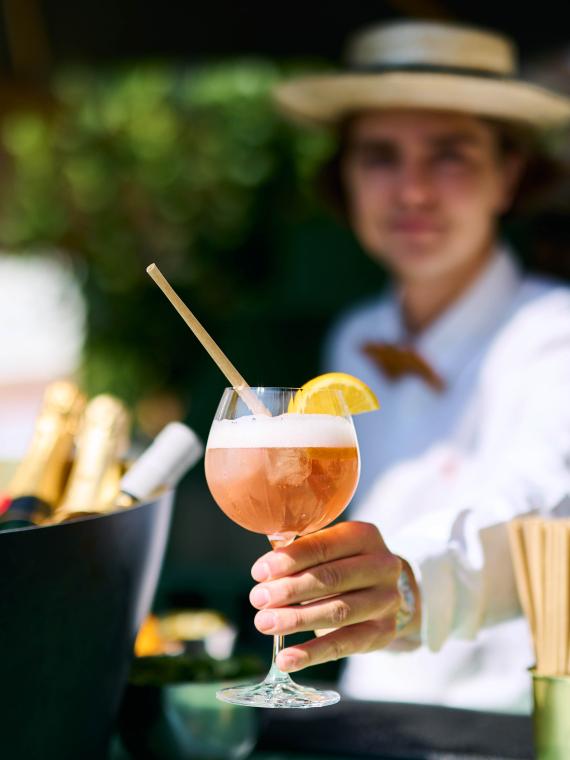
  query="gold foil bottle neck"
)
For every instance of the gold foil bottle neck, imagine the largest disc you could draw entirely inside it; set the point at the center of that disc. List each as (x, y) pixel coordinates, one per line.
(103, 439)
(42, 471)
(64, 397)
(110, 416)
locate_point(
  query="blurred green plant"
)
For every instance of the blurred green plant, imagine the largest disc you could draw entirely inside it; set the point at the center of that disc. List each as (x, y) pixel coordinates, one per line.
(195, 170)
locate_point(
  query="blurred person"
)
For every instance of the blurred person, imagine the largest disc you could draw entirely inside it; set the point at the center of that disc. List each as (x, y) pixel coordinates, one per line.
(470, 359)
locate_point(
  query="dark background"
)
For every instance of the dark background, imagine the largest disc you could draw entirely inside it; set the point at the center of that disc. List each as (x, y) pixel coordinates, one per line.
(110, 30)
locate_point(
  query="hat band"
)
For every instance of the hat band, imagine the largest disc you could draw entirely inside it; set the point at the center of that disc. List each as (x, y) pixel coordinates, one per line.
(428, 68)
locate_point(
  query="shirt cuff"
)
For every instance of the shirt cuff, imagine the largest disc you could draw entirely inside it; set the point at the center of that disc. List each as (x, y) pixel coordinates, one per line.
(451, 598)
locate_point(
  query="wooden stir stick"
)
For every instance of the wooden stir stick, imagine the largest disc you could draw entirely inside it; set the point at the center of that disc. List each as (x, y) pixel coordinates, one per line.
(534, 540)
(564, 549)
(522, 575)
(561, 582)
(550, 588)
(224, 364)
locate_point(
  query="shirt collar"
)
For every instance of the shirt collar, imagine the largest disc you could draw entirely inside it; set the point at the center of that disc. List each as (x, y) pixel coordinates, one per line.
(456, 335)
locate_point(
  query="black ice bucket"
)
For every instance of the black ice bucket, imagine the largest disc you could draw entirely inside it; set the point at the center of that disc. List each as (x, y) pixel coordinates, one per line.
(72, 597)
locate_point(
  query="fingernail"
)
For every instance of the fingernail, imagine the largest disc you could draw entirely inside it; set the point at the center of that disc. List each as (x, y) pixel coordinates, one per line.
(260, 571)
(259, 596)
(265, 620)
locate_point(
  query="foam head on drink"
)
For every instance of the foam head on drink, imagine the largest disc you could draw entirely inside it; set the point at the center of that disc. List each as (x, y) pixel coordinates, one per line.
(288, 474)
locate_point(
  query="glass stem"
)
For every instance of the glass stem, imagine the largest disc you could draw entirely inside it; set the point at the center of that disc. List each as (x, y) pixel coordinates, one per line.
(278, 646)
(275, 675)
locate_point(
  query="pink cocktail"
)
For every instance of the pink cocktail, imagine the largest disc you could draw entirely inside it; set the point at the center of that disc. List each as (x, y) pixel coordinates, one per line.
(284, 475)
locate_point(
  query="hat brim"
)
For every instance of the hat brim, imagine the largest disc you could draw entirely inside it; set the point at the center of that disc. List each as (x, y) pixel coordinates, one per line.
(325, 100)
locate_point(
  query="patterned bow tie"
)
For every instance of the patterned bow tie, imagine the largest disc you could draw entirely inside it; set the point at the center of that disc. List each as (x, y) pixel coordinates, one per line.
(396, 361)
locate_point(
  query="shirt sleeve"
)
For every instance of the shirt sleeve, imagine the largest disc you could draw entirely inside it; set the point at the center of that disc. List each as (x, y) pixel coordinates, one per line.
(511, 458)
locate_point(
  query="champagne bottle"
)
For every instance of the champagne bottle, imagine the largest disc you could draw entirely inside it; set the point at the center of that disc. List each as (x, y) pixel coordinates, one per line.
(102, 441)
(172, 453)
(38, 481)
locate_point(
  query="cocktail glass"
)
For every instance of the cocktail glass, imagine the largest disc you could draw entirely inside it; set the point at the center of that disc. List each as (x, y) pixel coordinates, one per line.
(284, 474)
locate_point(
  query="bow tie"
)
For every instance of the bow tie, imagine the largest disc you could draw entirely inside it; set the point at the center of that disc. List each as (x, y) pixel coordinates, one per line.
(396, 361)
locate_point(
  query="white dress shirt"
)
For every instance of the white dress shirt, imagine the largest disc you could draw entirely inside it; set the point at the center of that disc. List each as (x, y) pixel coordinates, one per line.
(442, 472)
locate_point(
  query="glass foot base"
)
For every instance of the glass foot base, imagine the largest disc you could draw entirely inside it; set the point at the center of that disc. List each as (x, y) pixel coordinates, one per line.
(284, 693)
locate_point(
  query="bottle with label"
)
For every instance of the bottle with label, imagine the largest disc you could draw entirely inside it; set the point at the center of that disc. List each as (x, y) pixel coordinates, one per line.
(38, 480)
(103, 439)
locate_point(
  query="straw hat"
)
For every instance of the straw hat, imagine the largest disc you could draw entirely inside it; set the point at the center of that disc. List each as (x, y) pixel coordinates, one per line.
(425, 65)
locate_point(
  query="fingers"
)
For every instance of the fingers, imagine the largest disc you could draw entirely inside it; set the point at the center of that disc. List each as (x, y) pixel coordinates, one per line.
(335, 612)
(352, 639)
(349, 574)
(342, 540)
(341, 580)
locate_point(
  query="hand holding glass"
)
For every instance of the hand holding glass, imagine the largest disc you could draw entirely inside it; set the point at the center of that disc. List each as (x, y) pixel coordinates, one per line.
(284, 474)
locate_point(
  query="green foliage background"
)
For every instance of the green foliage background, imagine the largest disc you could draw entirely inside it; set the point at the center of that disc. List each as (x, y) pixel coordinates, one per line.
(194, 169)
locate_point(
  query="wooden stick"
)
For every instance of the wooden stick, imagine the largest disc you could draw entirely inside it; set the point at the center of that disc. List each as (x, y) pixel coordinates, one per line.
(520, 564)
(566, 571)
(533, 539)
(562, 599)
(550, 589)
(224, 364)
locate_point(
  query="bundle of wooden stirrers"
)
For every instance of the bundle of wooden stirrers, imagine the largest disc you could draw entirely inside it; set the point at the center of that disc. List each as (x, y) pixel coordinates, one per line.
(540, 549)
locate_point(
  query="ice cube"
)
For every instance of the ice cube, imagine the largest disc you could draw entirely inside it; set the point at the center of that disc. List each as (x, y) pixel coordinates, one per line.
(288, 467)
(240, 465)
